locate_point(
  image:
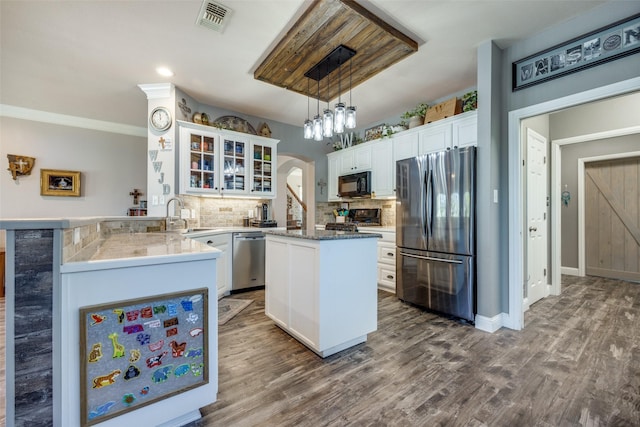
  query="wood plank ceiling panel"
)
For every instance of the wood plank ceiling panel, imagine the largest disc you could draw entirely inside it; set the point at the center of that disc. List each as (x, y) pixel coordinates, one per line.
(326, 25)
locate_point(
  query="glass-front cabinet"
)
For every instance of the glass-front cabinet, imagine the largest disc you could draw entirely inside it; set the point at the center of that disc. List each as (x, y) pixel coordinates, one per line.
(263, 157)
(222, 162)
(235, 166)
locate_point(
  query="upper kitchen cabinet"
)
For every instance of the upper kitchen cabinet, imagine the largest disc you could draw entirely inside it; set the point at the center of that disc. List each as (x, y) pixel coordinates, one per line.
(333, 169)
(382, 169)
(263, 171)
(453, 132)
(220, 162)
(355, 159)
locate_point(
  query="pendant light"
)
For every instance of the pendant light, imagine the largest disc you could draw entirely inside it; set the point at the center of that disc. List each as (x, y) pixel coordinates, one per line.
(350, 117)
(327, 116)
(308, 124)
(317, 121)
(339, 110)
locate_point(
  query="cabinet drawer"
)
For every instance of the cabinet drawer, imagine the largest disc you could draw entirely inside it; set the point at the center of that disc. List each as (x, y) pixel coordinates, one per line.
(387, 255)
(387, 277)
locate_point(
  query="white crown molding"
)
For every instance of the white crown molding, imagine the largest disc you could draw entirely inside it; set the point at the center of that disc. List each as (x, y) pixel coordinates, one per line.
(614, 133)
(157, 90)
(73, 121)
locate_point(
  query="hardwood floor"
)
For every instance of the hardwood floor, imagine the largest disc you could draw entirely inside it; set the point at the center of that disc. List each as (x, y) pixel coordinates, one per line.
(577, 363)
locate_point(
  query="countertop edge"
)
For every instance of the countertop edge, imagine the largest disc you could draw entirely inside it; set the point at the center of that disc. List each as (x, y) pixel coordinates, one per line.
(323, 235)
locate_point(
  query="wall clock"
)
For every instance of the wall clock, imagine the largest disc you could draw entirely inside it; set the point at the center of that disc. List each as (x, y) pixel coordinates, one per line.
(160, 119)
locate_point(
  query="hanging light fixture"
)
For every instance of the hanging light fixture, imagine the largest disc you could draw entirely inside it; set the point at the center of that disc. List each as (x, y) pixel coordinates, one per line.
(327, 116)
(339, 110)
(330, 122)
(350, 117)
(308, 124)
(317, 121)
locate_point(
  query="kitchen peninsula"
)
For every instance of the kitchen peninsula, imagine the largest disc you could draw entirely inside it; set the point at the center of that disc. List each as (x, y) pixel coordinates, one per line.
(93, 306)
(321, 287)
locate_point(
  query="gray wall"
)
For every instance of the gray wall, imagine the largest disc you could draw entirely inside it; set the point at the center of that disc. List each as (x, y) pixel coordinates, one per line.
(616, 113)
(611, 72)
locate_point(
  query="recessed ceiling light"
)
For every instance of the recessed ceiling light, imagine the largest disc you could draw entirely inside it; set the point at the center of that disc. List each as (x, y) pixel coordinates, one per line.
(164, 71)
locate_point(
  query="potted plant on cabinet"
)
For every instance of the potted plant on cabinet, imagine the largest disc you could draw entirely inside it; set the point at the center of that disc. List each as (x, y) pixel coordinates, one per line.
(416, 115)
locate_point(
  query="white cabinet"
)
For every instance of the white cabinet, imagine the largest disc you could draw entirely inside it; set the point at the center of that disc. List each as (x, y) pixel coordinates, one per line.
(435, 137)
(333, 160)
(224, 270)
(382, 169)
(225, 163)
(405, 145)
(314, 293)
(465, 130)
(386, 258)
(355, 159)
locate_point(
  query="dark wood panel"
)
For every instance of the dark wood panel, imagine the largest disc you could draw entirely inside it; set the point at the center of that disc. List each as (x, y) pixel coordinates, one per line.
(324, 26)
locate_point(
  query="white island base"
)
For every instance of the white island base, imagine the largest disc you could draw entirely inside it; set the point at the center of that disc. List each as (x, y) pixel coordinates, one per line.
(321, 287)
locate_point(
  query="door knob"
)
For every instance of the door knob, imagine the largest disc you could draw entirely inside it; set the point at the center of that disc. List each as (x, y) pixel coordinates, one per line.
(532, 229)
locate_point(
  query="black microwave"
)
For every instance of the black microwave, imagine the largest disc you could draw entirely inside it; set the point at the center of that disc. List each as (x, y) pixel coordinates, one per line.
(355, 185)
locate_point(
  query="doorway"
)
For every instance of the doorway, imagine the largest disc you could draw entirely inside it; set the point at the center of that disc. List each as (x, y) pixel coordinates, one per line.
(517, 208)
(296, 174)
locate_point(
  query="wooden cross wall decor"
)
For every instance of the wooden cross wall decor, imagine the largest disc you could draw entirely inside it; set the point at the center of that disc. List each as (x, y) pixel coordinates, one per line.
(135, 193)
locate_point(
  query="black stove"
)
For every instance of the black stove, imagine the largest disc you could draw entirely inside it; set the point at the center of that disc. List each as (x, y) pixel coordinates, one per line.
(365, 217)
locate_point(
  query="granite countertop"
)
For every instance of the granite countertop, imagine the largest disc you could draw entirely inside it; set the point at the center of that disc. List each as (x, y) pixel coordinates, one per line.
(132, 246)
(321, 234)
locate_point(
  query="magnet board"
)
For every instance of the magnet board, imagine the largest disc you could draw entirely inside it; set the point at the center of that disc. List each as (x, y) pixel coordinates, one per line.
(140, 351)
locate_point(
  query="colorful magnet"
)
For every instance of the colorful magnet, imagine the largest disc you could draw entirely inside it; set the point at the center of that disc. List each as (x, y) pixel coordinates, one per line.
(146, 312)
(156, 360)
(196, 298)
(181, 370)
(194, 352)
(192, 318)
(187, 305)
(133, 315)
(105, 380)
(153, 323)
(170, 322)
(196, 331)
(96, 319)
(118, 349)
(101, 410)
(162, 374)
(171, 332)
(128, 399)
(132, 329)
(143, 339)
(144, 391)
(196, 369)
(131, 373)
(96, 352)
(177, 349)
(159, 309)
(172, 309)
(119, 314)
(156, 345)
(135, 355)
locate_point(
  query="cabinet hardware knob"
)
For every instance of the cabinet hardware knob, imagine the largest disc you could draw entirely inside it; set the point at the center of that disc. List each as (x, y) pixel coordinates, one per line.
(533, 229)
(209, 242)
(390, 253)
(389, 276)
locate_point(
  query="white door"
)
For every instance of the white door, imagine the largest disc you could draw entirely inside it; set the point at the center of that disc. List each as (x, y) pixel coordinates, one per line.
(537, 286)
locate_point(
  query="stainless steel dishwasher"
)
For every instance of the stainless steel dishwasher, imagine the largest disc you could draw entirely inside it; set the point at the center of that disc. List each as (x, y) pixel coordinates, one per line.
(248, 260)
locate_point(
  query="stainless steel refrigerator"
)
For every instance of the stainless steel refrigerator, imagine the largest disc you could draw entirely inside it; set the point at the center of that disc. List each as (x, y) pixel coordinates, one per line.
(435, 231)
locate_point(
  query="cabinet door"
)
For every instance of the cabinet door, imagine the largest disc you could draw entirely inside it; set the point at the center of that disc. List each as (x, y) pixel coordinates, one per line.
(198, 160)
(263, 170)
(435, 138)
(234, 165)
(405, 146)
(333, 160)
(465, 131)
(382, 171)
(355, 159)
(223, 263)
(363, 156)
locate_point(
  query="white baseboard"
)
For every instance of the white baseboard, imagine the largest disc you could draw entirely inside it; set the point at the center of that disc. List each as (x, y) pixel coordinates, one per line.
(570, 271)
(490, 324)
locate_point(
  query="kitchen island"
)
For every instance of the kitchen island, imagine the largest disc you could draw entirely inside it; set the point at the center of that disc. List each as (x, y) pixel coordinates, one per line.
(321, 287)
(92, 309)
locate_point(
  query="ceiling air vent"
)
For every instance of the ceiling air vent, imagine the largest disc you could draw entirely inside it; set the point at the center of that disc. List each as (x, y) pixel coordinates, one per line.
(213, 15)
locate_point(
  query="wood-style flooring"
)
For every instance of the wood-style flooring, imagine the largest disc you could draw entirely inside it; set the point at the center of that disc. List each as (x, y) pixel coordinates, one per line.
(577, 363)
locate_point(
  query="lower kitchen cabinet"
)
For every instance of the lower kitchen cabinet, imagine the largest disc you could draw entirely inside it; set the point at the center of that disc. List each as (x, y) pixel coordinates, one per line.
(224, 270)
(386, 258)
(314, 293)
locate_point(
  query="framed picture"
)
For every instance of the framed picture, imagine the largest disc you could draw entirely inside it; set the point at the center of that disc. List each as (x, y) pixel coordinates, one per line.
(59, 183)
(140, 351)
(373, 133)
(605, 44)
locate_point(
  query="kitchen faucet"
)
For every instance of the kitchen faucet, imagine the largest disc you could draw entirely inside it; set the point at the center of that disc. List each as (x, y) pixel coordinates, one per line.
(170, 220)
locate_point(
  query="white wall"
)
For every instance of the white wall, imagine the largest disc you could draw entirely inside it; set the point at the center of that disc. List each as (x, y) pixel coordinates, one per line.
(111, 164)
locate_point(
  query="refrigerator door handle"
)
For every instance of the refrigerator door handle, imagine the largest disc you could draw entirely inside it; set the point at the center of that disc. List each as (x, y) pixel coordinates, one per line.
(425, 209)
(428, 258)
(430, 203)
